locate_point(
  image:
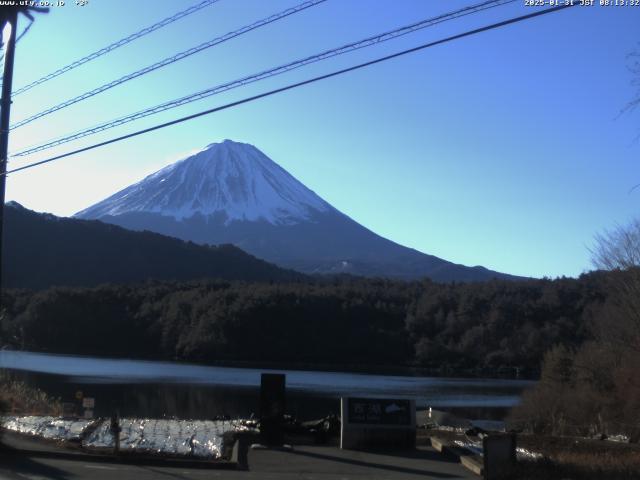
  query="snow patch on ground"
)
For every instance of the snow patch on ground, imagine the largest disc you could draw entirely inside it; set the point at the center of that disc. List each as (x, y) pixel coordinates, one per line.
(199, 438)
(53, 428)
(524, 454)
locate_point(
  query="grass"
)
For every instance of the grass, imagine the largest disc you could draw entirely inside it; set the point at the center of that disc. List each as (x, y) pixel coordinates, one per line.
(578, 468)
(18, 398)
(579, 459)
(569, 458)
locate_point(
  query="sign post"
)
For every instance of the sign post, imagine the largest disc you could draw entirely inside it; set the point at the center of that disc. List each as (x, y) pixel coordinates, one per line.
(115, 429)
(88, 403)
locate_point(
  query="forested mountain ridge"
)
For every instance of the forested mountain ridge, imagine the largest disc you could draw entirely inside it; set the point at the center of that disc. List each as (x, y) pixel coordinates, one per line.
(42, 250)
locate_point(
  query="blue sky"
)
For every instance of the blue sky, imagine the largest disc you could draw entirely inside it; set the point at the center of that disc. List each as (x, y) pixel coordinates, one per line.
(506, 149)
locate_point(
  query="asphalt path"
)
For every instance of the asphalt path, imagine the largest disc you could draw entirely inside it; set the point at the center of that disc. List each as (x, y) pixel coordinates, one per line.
(301, 462)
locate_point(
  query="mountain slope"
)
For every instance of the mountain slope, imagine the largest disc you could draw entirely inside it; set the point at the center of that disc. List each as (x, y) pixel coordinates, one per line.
(231, 178)
(42, 250)
(232, 193)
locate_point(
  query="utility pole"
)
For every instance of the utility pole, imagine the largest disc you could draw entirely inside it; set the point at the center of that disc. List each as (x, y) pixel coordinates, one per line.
(11, 18)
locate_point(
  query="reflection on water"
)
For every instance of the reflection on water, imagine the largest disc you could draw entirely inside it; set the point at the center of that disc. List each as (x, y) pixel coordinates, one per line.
(156, 389)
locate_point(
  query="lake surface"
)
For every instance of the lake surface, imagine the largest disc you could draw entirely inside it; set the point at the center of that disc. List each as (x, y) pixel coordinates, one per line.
(146, 388)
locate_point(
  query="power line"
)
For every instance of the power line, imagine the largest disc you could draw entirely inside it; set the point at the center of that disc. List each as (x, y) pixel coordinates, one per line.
(383, 37)
(297, 84)
(24, 32)
(169, 60)
(118, 44)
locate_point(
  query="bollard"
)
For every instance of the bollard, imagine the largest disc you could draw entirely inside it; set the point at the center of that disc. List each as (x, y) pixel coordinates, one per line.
(239, 453)
(499, 455)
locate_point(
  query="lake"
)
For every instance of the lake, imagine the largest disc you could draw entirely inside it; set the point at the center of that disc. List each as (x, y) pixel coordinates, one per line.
(157, 389)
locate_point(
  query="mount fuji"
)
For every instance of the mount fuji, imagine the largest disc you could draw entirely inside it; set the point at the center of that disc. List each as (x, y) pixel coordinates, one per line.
(231, 192)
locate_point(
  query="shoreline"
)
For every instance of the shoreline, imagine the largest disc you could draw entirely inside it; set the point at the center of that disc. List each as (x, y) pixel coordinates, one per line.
(500, 373)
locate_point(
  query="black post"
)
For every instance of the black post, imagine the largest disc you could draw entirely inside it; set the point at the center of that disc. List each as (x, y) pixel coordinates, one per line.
(272, 406)
(115, 429)
(5, 110)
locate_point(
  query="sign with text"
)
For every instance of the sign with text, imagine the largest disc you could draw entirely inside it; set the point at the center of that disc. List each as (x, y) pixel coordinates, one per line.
(377, 423)
(375, 411)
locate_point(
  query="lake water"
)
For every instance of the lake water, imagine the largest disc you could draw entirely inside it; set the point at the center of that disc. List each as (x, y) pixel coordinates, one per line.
(156, 389)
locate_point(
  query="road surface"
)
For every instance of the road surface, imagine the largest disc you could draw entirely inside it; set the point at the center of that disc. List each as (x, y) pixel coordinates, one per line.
(302, 462)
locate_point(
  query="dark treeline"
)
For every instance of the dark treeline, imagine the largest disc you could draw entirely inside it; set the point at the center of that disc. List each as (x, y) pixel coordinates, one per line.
(41, 250)
(369, 323)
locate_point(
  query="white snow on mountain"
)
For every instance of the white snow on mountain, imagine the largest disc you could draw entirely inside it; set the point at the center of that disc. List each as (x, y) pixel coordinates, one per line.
(235, 179)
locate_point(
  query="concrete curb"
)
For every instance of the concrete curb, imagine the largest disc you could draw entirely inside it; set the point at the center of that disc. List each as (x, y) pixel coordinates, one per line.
(473, 463)
(239, 454)
(468, 459)
(438, 444)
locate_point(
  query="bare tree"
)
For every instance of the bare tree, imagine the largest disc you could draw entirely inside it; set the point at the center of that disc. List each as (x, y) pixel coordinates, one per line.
(634, 67)
(619, 248)
(618, 251)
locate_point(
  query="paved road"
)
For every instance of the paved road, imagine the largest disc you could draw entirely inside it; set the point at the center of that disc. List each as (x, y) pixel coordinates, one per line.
(302, 462)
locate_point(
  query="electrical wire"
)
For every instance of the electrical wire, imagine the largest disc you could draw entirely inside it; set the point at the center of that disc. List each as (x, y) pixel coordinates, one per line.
(24, 32)
(118, 44)
(172, 59)
(383, 37)
(169, 60)
(297, 84)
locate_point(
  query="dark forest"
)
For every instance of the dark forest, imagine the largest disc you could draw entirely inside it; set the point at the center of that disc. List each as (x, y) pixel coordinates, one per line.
(478, 328)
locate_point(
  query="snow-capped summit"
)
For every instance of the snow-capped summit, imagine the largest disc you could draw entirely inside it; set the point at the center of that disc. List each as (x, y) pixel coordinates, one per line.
(231, 192)
(229, 178)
